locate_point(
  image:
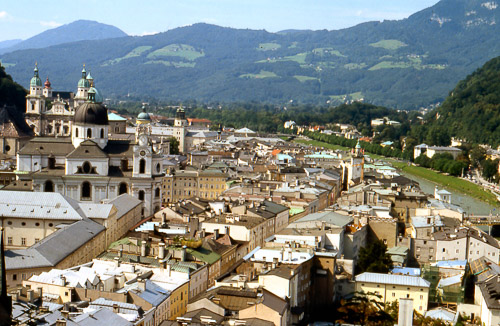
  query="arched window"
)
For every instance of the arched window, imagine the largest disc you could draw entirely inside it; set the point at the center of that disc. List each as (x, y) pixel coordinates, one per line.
(102, 133)
(86, 167)
(142, 166)
(157, 192)
(86, 190)
(123, 188)
(89, 133)
(49, 186)
(76, 132)
(141, 195)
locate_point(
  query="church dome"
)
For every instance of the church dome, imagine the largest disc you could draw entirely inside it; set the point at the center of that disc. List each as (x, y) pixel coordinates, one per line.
(91, 112)
(143, 117)
(83, 82)
(98, 95)
(47, 83)
(35, 81)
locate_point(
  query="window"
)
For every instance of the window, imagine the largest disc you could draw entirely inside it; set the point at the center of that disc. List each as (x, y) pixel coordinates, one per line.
(49, 186)
(89, 133)
(37, 240)
(444, 249)
(393, 294)
(86, 167)
(9, 240)
(142, 166)
(157, 192)
(10, 223)
(86, 190)
(14, 277)
(457, 251)
(123, 189)
(102, 133)
(23, 223)
(421, 297)
(23, 241)
(141, 195)
(408, 296)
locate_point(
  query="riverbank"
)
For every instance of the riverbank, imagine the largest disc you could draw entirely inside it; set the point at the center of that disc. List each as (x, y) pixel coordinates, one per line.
(454, 183)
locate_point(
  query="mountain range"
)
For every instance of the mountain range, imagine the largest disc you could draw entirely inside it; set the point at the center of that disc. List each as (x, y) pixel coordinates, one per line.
(79, 30)
(405, 64)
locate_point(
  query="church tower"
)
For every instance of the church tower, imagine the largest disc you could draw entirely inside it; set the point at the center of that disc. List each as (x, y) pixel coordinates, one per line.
(35, 102)
(143, 151)
(180, 124)
(47, 90)
(83, 89)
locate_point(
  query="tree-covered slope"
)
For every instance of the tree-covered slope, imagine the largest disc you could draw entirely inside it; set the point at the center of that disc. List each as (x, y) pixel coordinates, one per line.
(472, 111)
(11, 93)
(402, 64)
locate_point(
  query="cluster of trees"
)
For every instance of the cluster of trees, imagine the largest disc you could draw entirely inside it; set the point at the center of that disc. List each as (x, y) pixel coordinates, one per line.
(443, 163)
(11, 93)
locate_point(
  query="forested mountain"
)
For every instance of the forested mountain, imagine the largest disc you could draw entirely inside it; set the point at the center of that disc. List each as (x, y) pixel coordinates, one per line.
(472, 111)
(11, 93)
(76, 31)
(400, 64)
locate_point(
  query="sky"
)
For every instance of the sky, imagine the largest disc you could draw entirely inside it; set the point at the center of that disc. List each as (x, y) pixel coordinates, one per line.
(25, 18)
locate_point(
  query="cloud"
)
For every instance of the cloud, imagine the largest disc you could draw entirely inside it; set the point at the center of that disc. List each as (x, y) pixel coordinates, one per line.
(4, 15)
(51, 24)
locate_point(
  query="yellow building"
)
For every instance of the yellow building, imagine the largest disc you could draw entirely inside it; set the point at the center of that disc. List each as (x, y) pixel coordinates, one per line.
(206, 184)
(394, 287)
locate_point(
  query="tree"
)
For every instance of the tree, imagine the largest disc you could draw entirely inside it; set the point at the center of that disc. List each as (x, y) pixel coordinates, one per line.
(374, 258)
(477, 154)
(364, 309)
(174, 145)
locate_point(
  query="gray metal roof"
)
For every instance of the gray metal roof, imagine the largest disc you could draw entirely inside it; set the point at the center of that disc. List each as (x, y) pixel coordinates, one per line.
(101, 317)
(39, 205)
(124, 203)
(54, 248)
(328, 217)
(392, 279)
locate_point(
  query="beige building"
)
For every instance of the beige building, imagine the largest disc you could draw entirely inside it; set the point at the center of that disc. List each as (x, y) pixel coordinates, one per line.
(206, 184)
(394, 287)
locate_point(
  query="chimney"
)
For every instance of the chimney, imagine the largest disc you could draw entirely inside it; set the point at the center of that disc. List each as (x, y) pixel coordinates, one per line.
(275, 262)
(216, 234)
(143, 248)
(183, 253)
(142, 284)
(405, 312)
(226, 230)
(60, 322)
(116, 308)
(161, 250)
(120, 253)
(169, 270)
(202, 235)
(65, 315)
(31, 295)
(117, 261)
(163, 219)
(40, 292)
(63, 278)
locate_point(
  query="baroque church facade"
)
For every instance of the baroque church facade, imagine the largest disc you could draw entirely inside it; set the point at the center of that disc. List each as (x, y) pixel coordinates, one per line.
(84, 164)
(50, 113)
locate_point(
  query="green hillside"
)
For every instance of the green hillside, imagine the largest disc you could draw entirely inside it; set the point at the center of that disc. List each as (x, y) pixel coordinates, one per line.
(472, 111)
(11, 93)
(403, 64)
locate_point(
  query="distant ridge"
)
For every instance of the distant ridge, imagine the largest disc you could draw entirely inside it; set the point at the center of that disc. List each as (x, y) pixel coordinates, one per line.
(405, 64)
(79, 30)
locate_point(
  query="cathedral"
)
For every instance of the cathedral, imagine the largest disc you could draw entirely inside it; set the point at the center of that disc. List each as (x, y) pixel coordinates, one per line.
(50, 113)
(82, 162)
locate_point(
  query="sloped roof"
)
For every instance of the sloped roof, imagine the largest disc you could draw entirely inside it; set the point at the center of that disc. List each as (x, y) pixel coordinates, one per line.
(392, 279)
(87, 149)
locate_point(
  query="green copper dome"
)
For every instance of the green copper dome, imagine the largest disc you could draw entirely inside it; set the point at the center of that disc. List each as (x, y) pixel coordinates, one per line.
(144, 115)
(83, 83)
(98, 96)
(35, 81)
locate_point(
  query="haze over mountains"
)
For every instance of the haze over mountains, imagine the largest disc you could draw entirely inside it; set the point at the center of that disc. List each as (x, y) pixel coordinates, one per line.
(401, 64)
(76, 31)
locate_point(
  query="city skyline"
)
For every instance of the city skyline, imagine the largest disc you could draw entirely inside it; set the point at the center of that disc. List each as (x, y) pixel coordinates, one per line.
(135, 18)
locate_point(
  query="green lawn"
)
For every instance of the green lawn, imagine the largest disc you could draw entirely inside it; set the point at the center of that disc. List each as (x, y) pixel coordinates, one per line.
(389, 44)
(303, 79)
(268, 46)
(172, 63)
(325, 51)
(352, 66)
(138, 51)
(262, 74)
(354, 96)
(177, 50)
(299, 58)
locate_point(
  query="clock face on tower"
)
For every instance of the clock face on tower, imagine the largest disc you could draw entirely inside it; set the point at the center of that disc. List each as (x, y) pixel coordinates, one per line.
(143, 140)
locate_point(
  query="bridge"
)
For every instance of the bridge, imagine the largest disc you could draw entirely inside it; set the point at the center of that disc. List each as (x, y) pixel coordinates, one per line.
(490, 221)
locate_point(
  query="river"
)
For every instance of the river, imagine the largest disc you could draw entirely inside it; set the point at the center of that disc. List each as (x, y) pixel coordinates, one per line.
(468, 204)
